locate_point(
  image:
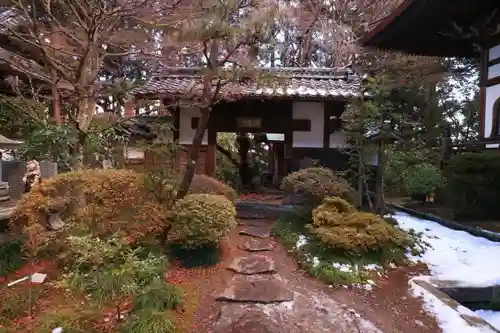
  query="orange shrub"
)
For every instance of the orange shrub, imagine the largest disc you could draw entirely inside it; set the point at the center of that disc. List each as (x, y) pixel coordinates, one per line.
(97, 201)
(203, 184)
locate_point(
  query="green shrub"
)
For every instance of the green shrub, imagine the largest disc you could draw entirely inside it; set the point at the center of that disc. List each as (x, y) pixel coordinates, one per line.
(206, 255)
(355, 233)
(203, 184)
(150, 322)
(473, 185)
(423, 179)
(159, 296)
(329, 211)
(198, 220)
(11, 256)
(311, 186)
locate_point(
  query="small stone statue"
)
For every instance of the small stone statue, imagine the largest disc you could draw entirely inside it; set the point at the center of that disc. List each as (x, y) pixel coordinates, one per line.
(32, 175)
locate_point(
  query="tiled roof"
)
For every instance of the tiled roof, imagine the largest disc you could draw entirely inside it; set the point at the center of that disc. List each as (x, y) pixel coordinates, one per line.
(8, 20)
(320, 83)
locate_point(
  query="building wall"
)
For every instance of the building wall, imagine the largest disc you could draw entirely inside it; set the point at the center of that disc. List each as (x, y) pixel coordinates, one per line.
(186, 132)
(491, 117)
(315, 113)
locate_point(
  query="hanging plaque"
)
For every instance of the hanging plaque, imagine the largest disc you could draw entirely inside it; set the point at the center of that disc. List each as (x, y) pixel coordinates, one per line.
(249, 122)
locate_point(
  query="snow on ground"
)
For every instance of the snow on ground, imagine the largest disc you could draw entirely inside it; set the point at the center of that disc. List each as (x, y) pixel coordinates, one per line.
(492, 317)
(448, 319)
(457, 256)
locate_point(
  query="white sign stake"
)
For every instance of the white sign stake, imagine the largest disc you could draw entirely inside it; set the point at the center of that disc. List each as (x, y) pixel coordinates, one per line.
(35, 278)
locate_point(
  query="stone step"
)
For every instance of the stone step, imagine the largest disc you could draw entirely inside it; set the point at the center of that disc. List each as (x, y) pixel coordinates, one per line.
(256, 245)
(252, 321)
(4, 198)
(262, 291)
(255, 232)
(253, 264)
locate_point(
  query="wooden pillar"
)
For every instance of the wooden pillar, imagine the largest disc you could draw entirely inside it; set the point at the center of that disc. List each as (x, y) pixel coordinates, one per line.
(179, 152)
(287, 152)
(210, 156)
(129, 107)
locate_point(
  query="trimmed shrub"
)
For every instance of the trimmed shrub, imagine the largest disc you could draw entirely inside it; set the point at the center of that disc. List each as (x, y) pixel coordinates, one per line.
(355, 233)
(203, 184)
(99, 202)
(423, 179)
(310, 186)
(327, 213)
(200, 220)
(473, 183)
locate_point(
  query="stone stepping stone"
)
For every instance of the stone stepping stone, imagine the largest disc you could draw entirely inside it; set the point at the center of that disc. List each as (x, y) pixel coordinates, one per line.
(253, 264)
(256, 245)
(258, 291)
(255, 232)
(253, 321)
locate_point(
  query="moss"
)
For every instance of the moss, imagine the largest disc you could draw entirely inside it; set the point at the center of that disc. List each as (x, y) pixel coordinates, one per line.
(288, 228)
(332, 275)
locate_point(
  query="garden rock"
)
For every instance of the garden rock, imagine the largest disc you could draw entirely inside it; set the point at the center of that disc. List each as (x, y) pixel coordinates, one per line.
(257, 245)
(250, 322)
(256, 291)
(253, 264)
(255, 232)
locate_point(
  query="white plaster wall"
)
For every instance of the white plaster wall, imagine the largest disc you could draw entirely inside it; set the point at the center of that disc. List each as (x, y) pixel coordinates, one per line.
(338, 139)
(492, 94)
(493, 71)
(494, 53)
(186, 133)
(314, 111)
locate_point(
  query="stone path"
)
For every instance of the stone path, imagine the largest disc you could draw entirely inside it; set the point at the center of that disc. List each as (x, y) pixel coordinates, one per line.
(259, 299)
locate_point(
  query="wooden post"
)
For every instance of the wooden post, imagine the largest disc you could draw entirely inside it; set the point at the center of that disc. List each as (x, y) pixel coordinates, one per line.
(129, 107)
(287, 153)
(210, 156)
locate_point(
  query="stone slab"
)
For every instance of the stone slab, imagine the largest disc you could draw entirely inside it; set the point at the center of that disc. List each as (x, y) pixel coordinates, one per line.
(256, 245)
(253, 264)
(253, 321)
(257, 291)
(255, 232)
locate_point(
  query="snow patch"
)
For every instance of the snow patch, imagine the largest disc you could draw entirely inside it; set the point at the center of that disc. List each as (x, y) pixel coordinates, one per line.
(448, 319)
(455, 255)
(492, 317)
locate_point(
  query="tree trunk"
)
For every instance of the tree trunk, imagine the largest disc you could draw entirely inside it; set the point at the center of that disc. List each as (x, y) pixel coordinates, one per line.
(193, 154)
(379, 197)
